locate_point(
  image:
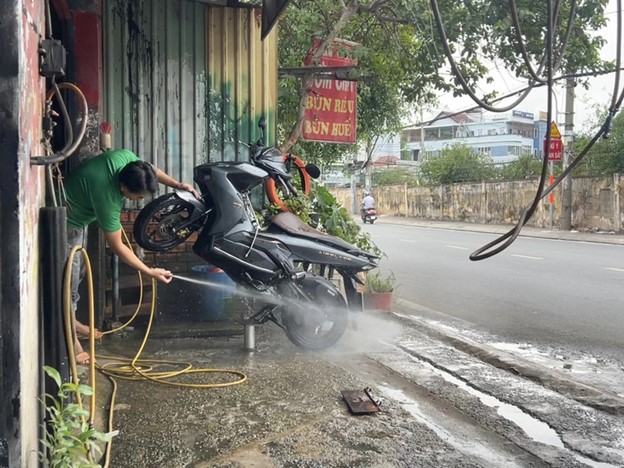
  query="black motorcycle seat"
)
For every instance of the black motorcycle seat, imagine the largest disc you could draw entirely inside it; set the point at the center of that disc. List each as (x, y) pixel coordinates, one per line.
(290, 223)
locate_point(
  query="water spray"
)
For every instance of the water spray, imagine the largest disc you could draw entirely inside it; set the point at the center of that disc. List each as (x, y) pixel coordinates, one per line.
(249, 335)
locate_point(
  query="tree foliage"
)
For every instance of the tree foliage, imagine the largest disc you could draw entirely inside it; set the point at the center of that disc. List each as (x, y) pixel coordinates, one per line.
(457, 164)
(401, 59)
(607, 155)
(394, 177)
(523, 167)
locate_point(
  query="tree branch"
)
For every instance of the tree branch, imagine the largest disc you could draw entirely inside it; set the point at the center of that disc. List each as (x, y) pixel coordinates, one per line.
(308, 79)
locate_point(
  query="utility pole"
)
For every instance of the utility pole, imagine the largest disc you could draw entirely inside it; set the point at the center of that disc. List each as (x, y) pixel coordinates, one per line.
(566, 198)
(353, 185)
(422, 136)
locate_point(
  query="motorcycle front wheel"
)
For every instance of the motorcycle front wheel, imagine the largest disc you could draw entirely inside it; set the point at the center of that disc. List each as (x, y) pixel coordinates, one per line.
(319, 321)
(157, 225)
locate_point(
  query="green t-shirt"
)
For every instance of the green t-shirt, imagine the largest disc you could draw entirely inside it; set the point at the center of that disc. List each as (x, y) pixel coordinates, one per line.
(93, 192)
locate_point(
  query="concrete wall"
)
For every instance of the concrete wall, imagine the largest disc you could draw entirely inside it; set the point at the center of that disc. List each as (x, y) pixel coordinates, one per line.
(595, 202)
(31, 198)
(22, 194)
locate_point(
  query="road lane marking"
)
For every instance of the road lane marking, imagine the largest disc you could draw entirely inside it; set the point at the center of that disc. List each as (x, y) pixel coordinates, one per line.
(615, 269)
(456, 247)
(409, 240)
(527, 256)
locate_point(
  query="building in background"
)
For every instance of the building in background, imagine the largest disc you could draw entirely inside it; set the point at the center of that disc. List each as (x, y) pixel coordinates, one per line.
(501, 136)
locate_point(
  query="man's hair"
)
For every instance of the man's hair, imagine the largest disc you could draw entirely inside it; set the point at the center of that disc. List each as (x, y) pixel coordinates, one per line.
(139, 177)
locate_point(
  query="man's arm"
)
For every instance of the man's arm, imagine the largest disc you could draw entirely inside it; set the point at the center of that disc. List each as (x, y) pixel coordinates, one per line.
(127, 256)
(169, 181)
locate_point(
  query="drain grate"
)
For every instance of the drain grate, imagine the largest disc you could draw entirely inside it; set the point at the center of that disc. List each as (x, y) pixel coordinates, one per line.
(361, 401)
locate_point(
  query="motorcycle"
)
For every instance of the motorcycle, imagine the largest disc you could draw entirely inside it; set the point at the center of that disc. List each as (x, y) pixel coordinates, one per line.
(369, 215)
(287, 260)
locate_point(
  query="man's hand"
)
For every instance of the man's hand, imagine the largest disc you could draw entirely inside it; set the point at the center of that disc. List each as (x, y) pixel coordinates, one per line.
(188, 188)
(162, 275)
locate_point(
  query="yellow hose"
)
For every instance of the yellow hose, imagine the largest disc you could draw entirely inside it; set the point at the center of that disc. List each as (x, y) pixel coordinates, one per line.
(69, 329)
(121, 367)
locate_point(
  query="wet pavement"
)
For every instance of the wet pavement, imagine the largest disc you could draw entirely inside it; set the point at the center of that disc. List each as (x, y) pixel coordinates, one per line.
(446, 402)
(441, 407)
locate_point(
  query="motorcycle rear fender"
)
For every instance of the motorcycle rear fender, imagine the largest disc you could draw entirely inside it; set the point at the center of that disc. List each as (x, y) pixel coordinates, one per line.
(200, 207)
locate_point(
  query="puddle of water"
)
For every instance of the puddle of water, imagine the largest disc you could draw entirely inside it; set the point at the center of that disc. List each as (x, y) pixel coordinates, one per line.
(470, 447)
(535, 429)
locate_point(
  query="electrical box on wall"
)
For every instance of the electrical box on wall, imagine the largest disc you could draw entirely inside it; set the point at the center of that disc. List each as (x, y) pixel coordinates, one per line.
(52, 58)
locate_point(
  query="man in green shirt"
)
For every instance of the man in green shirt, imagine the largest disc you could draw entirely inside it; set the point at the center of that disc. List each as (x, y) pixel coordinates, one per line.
(95, 191)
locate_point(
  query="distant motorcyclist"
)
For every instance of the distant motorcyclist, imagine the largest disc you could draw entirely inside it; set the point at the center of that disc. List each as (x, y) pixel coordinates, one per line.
(367, 208)
(368, 201)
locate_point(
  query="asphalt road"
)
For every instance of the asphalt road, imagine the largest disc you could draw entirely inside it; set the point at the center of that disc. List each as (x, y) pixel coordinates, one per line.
(540, 291)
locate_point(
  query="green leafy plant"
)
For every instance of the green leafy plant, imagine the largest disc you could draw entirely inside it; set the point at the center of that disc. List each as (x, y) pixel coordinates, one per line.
(333, 218)
(336, 220)
(300, 204)
(377, 282)
(68, 438)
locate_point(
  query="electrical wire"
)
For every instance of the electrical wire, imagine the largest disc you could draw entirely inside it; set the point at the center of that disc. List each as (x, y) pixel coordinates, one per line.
(506, 96)
(552, 14)
(501, 243)
(458, 75)
(523, 51)
(532, 83)
(72, 143)
(48, 16)
(616, 101)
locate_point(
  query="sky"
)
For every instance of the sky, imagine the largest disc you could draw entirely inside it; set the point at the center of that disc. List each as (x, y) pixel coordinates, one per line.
(587, 101)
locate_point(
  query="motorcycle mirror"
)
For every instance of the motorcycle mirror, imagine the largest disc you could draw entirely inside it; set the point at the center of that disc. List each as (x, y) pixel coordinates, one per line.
(313, 170)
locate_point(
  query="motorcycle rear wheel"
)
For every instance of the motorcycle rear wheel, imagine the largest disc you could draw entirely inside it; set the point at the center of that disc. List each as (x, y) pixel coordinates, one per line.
(322, 326)
(153, 228)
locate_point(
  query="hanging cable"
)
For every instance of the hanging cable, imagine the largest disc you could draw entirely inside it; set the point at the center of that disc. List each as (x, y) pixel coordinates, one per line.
(511, 94)
(616, 102)
(523, 51)
(458, 75)
(532, 83)
(507, 239)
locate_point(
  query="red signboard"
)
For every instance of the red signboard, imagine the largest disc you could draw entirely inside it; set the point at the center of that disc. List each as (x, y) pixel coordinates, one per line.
(556, 150)
(556, 146)
(331, 107)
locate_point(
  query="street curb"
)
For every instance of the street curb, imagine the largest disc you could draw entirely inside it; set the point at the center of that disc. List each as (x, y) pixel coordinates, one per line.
(613, 239)
(586, 394)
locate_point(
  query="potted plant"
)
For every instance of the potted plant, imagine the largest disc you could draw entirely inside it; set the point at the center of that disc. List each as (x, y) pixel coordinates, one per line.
(378, 290)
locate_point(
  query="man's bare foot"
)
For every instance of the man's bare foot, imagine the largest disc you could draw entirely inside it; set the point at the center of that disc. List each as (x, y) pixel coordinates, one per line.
(82, 331)
(83, 359)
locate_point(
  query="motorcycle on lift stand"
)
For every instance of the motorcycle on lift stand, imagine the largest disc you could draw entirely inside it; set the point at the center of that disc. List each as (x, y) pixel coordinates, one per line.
(273, 261)
(369, 215)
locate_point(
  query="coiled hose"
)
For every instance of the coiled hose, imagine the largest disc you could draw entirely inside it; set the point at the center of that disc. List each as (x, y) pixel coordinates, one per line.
(122, 367)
